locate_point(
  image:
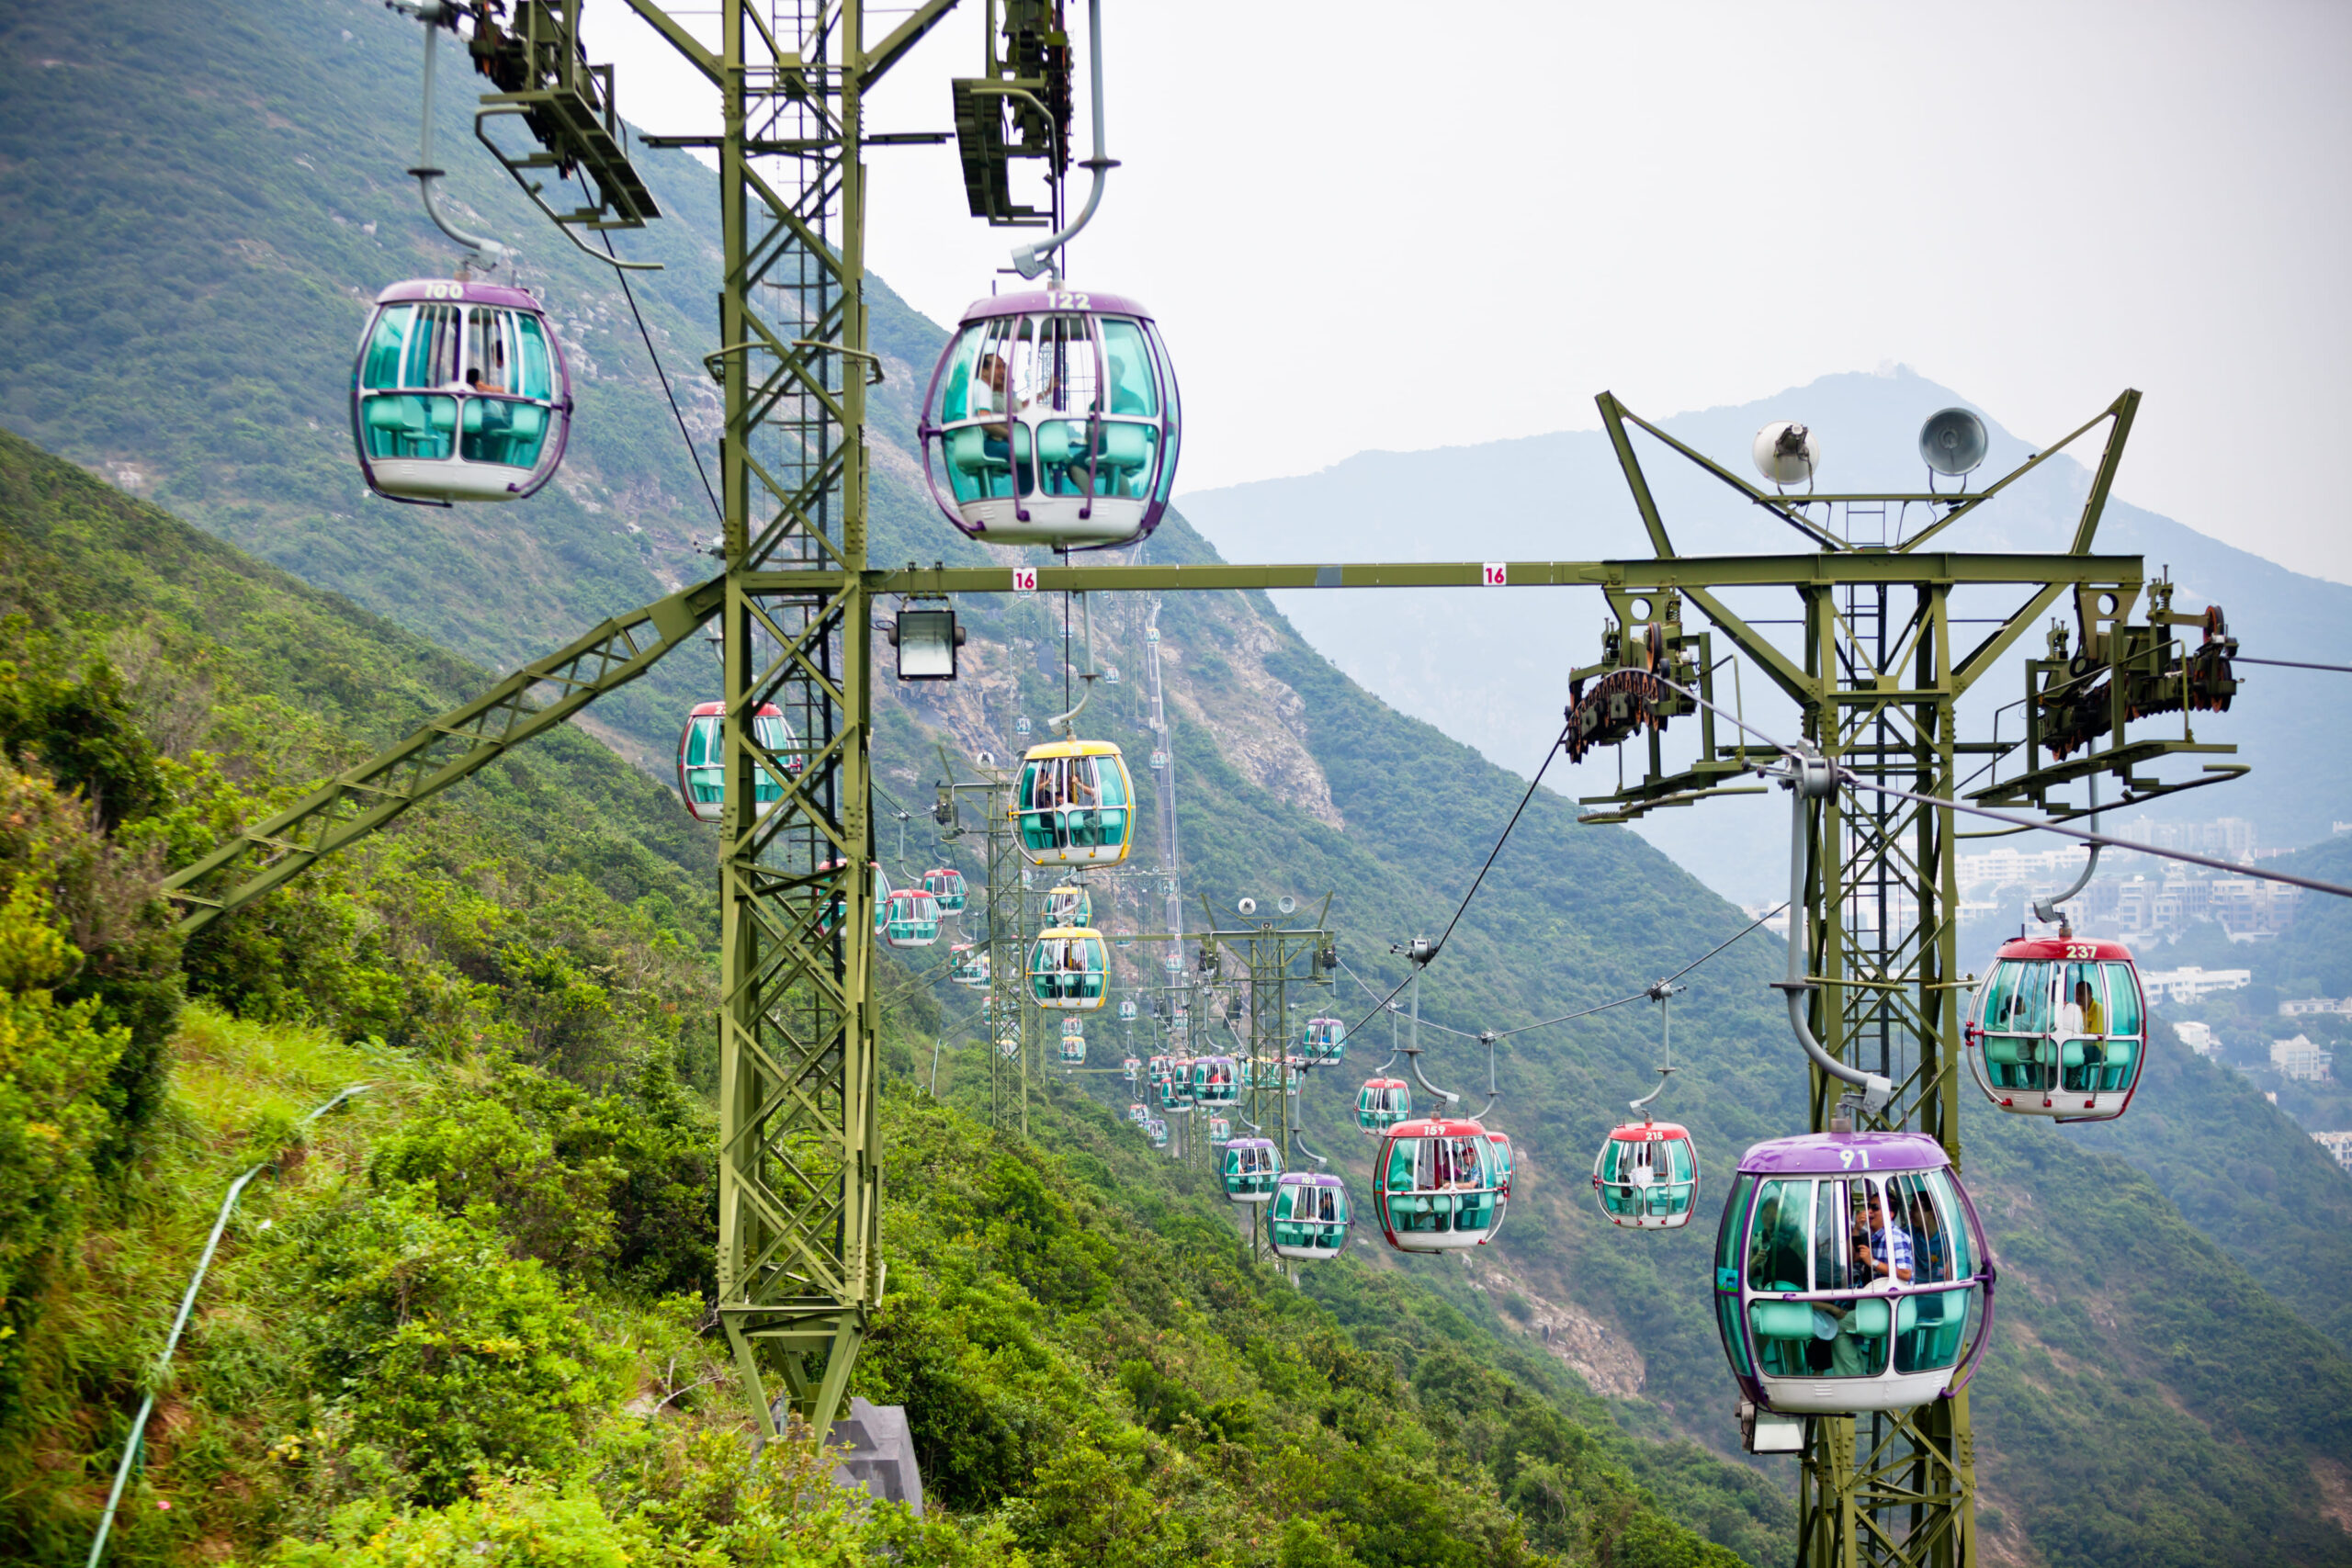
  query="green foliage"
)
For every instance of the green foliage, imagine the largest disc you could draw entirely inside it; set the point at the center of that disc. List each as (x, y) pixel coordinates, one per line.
(55, 1056)
(455, 1357)
(1084, 1350)
(74, 725)
(2278, 1204)
(186, 275)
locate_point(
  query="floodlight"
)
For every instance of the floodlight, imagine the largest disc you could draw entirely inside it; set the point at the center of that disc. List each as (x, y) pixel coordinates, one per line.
(926, 641)
(1786, 453)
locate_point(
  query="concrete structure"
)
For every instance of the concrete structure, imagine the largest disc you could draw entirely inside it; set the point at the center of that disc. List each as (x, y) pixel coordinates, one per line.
(2301, 1060)
(2192, 984)
(2198, 1037)
(2226, 837)
(878, 1452)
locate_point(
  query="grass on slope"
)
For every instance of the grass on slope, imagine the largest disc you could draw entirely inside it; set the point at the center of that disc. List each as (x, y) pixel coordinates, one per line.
(201, 627)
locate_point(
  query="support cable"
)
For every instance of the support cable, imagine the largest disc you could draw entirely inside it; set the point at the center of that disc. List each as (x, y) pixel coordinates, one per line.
(663, 376)
(1586, 1013)
(1848, 777)
(2312, 883)
(1438, 946)
(2292, 664)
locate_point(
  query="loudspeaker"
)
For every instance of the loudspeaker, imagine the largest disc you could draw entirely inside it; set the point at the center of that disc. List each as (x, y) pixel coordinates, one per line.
(1953, 441)
(1249, 905)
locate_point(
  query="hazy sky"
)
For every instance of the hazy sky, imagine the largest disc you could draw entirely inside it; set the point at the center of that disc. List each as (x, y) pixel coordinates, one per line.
(1383, 225)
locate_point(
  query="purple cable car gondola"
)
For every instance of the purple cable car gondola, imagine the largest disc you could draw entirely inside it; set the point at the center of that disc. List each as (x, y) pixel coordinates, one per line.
(1308, 1219)
(459, 394)
(1052, 420)
(1851, 1274)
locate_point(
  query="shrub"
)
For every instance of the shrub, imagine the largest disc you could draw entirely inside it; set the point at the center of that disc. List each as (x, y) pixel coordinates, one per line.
(451, 1356)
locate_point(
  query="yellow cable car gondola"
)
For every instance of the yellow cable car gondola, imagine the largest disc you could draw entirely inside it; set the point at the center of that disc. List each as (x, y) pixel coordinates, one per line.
(1069, 968)
(1075, 803)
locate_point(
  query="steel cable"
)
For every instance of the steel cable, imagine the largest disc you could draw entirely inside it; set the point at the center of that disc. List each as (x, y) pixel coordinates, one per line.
(1438, 946)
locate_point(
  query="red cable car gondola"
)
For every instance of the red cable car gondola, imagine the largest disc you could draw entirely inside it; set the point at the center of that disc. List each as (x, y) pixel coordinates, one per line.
(909, 918)
(1435, 1186)
(946, 885)
(1381, 1104)
(1646, 1176)
(702, 760)
(2061, 1029)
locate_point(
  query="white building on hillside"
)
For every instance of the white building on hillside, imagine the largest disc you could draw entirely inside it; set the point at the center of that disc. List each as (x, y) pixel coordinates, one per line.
(2303, 1061)
(2315, 1005)
(2193, 984)
(2197, 1037)
(2337, 1144)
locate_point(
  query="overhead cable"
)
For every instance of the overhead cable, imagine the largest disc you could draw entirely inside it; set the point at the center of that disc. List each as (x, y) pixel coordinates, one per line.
(1603, 1007)
(2292, 664)
(662, 376)
(1849, 777)
(1438, 946)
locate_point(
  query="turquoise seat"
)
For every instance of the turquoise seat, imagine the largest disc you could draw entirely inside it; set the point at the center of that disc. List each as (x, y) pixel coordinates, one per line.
(1927, 1330)
(1124, 446)
(967, 452)
(1057, 441)
(1781, 1320)
(1868, 1318)
(405, 425)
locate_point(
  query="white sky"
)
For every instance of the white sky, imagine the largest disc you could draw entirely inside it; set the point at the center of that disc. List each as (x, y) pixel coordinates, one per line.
(1374, 225)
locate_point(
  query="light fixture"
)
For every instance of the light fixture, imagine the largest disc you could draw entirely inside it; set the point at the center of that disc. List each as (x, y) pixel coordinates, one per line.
(926, 641)
(1953, 441)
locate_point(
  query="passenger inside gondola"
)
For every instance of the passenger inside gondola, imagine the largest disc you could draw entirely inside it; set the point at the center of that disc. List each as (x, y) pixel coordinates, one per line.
(1072, 803)
(2082, 1024)
(1888, 1246)
(1928, 1259)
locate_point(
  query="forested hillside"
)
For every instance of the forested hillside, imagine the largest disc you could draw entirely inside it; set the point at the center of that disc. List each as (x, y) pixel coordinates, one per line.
(2147, 1399)
(473, 1308)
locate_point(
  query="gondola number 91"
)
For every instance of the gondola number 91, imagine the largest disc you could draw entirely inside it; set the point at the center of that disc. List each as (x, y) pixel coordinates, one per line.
(1846, 1157)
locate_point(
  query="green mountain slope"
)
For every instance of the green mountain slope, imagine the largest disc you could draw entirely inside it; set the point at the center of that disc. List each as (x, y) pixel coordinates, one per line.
(121, 191)
(474, 1311)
